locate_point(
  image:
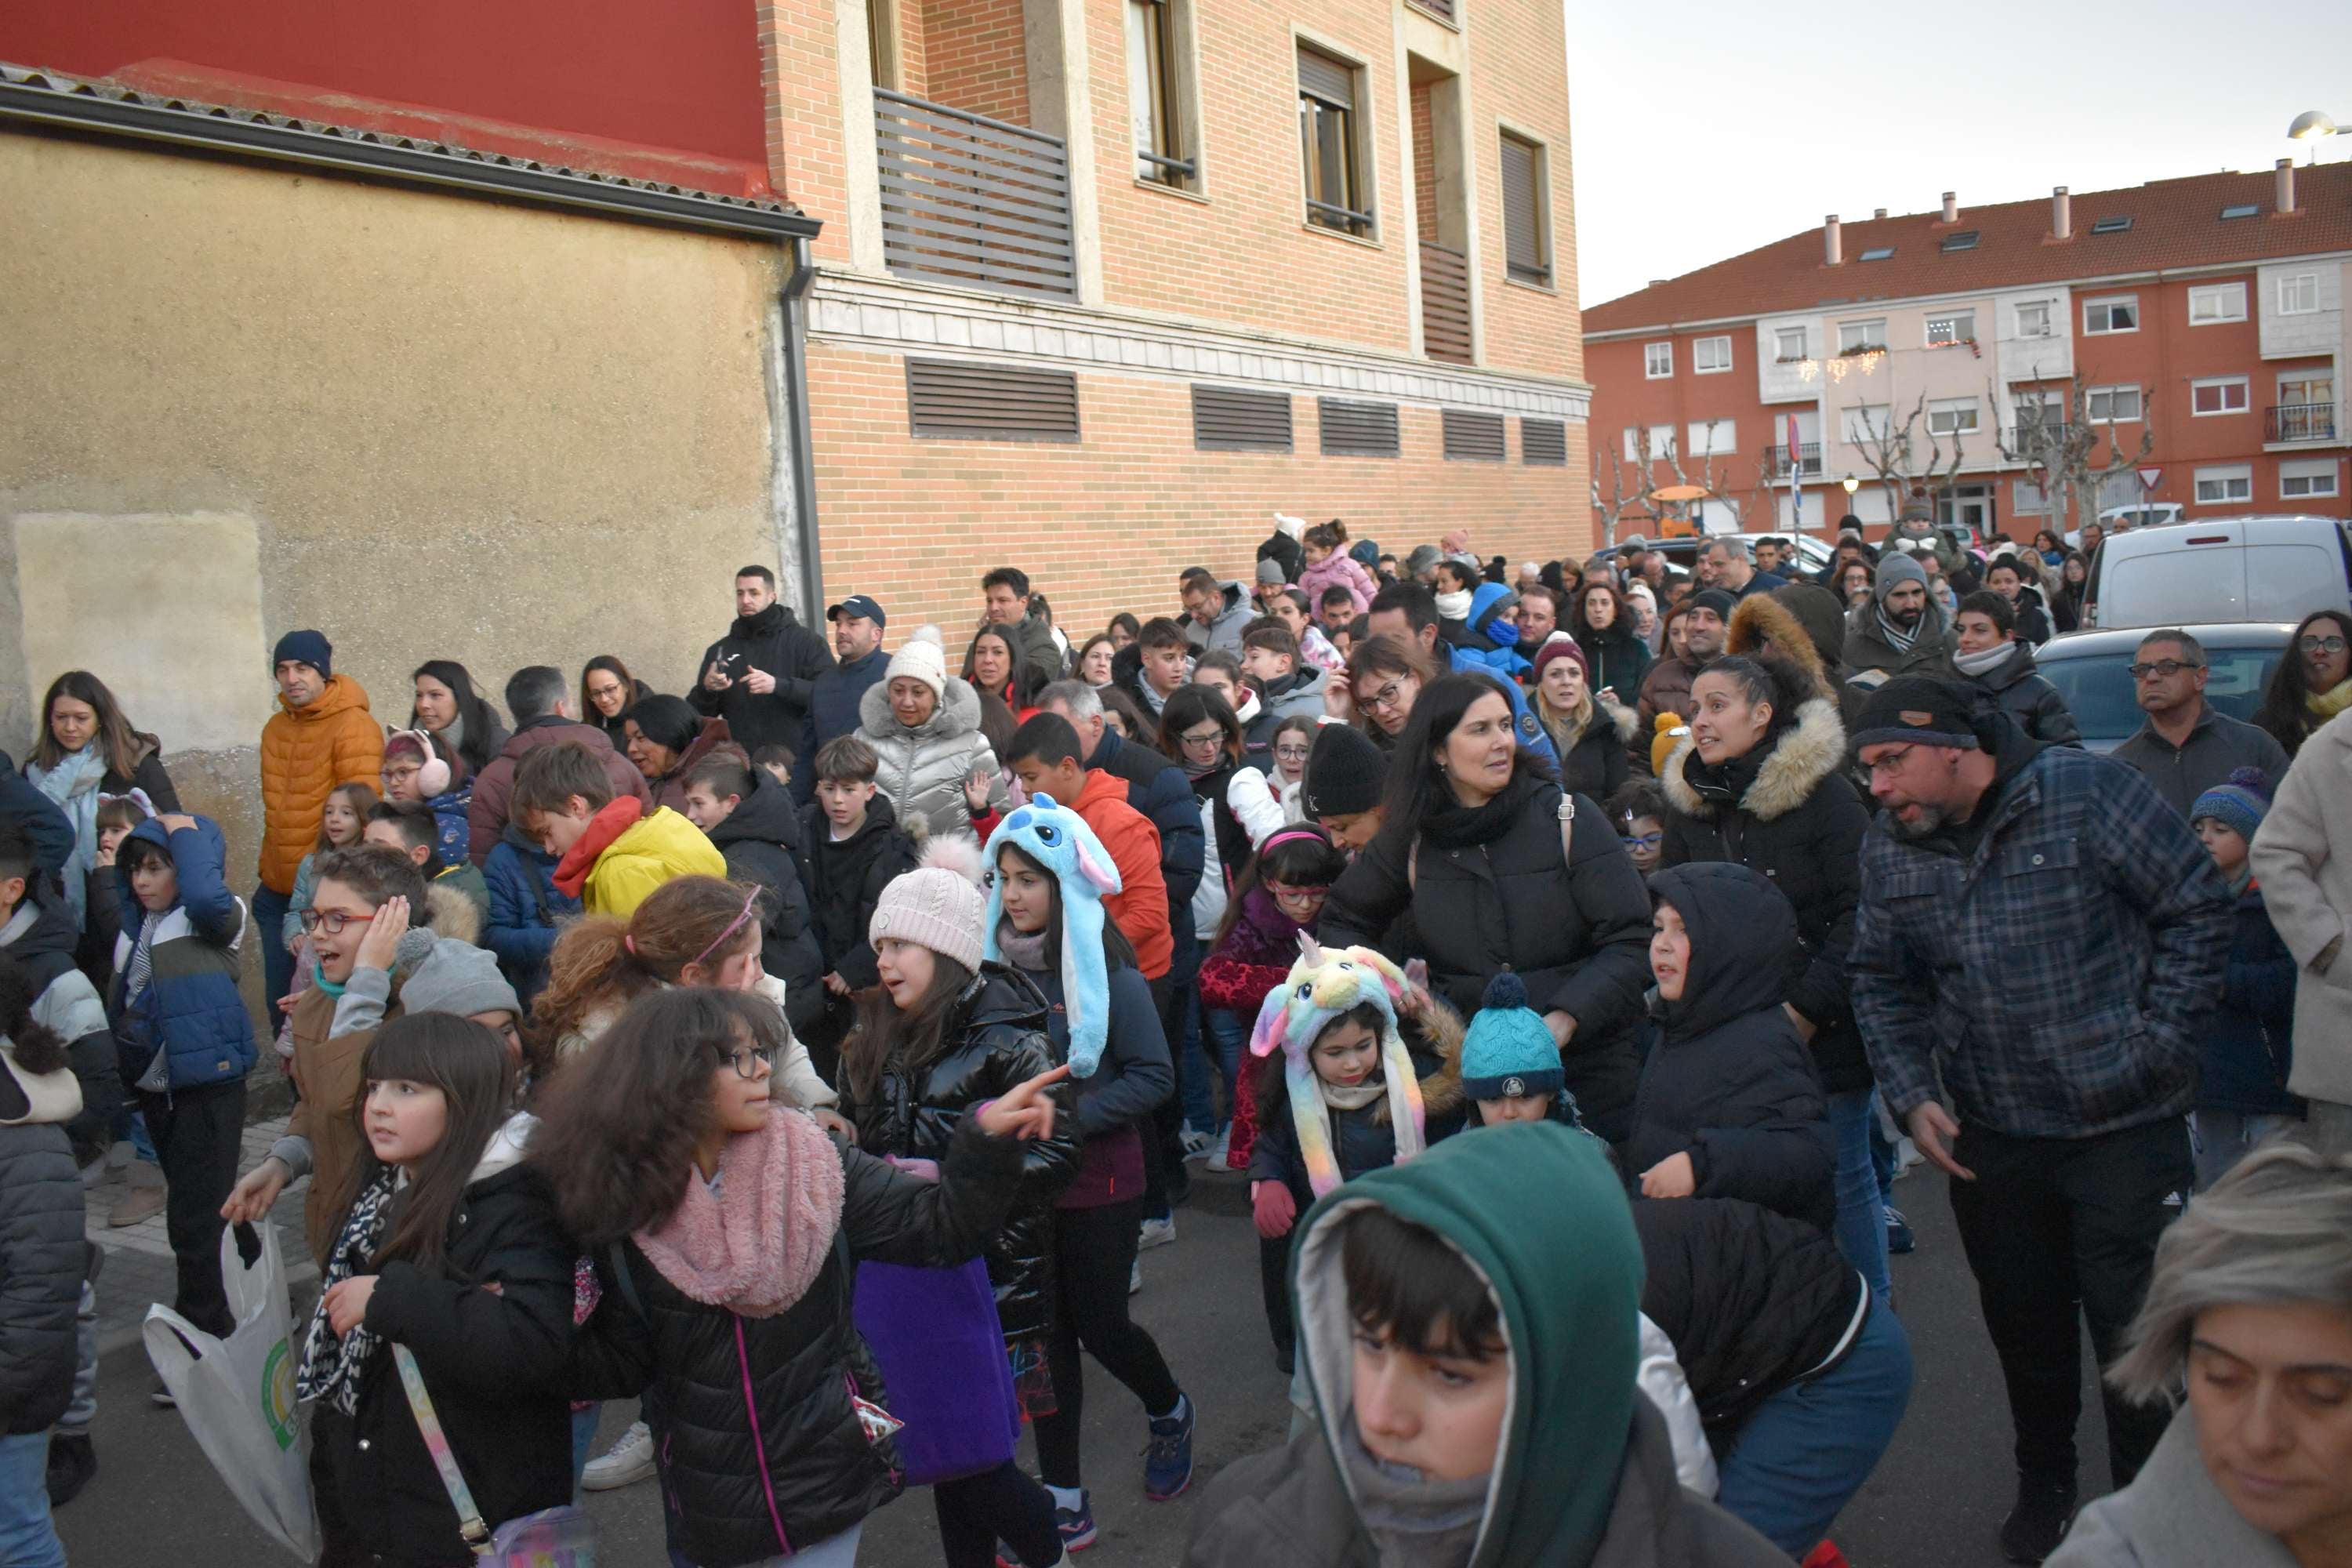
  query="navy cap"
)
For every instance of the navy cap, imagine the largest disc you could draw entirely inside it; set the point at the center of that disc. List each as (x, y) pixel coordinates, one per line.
(860, 606)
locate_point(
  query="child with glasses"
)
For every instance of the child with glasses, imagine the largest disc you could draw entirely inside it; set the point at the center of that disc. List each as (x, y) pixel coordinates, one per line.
(1638, 811)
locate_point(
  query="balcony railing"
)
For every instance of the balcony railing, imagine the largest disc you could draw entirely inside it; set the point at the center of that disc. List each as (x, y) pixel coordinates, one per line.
(970, 200)
(2300, 422)
(2021, 438)
(1809, 461)
(1445, 303)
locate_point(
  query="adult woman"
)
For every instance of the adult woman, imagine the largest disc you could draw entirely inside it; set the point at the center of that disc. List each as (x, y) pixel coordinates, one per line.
(2313, 683)
(666, 737)
(992, 667)
(2073, 582)
(1502, 871)
(1457, 581)
(1614, 653)
(2251, 1307)
(2050, 547)
(1386, 675)
(607, 693)
(1590, 736)
(448, 707)
(924, 725)
(1854, 582)
(1200, 730)
(1093, 663)
(1760, 781)
(87, 748)
(1123, 629)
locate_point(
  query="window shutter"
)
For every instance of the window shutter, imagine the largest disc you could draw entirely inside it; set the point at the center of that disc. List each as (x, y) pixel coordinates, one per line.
(991, 403)
(1357, 429)
(1225, 419)
(1441, 9)
(1522, 212)
(1320, 76)
(1543, 442)
(1473, 437)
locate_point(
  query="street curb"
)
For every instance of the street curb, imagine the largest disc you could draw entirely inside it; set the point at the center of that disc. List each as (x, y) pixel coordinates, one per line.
(111, 1340)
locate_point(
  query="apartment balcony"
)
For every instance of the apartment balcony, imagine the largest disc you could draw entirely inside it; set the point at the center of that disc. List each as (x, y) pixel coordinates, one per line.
(2300, 424)
(970, 200)
(2018, 438)
(1445, 303)
(1807, 460)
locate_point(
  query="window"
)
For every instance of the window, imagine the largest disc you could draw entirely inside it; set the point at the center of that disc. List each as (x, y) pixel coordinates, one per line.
(2028, 497)
(1952, 327)
(2298, 294)
(1861, 337)
(882, 42)
(1788, 345)
(1357, 429)
(1477, 437)
(2111, 405)
(1952, 416)
(2217, 486)
(1527, 241)
(2301, 481)
(1338, 195)
(1878, 253)
(1156, 99)
(1662, 442)
(2210, 302)
(2237, 210)
(1711, 356)
(2218, 395)
(2306, 390)
(1863, 423)
(2119, 314)
(1227, 419)
(2117, 225)
(1964, 240)
(1543, 443)
(1714, 438)
(989, 402)
(1657, 361)
(2033, 320)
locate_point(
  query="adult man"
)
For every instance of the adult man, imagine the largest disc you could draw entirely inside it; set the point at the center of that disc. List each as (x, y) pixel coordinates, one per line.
(2091, 535)
(1724, 564)
(1538, 618)
(1850, 547)
(1666, 689)
(1638, 560)
(1991, 654)
(1004, 602)
(858, 663)
(322, 736)
(1770, 554)
(2186, 747)
(1270, 587)
(2005, 577)
(541, 702)
(2040, 933)
(1215, 613)
(1337, 612)
(1409, 610)
(759, 677)
(1901, 631)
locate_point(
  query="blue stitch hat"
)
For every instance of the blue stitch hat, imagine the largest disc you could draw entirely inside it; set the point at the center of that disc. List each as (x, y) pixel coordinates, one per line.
(1509, 1050)
(2240, 805)
(1059, 839)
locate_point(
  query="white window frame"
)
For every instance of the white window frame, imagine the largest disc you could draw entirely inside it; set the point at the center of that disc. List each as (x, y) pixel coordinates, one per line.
(1960, 327)
(2103, 309)
(1657, 365)
(2222, 479)
(2303, 378)
(1780, 336)
(2305, 286)
(1871, 333)
(2222, 384)
(2310, 472)
(1953, 406)
(2028, 498)
(1714, 438)
(1861, 423)
(2043, 307)
(2091, 395)
(1699, 347)
(2227, 302)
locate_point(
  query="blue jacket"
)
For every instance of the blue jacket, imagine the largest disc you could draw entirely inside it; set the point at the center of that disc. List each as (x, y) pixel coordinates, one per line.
(832, 713)
(2250, 1045)
(524, 908)
(449, 815)
(190, 1008)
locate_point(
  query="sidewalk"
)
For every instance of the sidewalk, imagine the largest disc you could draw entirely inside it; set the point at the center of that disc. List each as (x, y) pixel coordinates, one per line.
(139, 1269)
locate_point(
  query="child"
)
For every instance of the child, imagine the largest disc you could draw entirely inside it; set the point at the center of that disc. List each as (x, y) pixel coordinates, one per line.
(417, 769)
(101, 920)
(1639, 810)
(1729, 1105)
(526, 907)
(752, 821)
(343, 823)
(1262, 801)
(1346, 775)
(851, 848)
(776, 762)
(444, 1249)
(409, 827)
(725, 1229)
(1049, 759)
(2241, 1096)
(613, 851)
(186, 1040)
(1473, 1356)
(1328, 565)
(1508, 1060)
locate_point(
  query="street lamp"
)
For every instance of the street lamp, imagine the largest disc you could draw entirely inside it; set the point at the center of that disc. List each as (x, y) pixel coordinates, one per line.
(2312, 126)
(1852, 485)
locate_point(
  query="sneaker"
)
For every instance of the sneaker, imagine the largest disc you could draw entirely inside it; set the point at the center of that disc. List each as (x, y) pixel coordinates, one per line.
(1196, 1143)
(625, 1463)
(1899, 1239)
(1135, 1278)
(1077, 1524)
(2036, 1525)
(1167, 1457)
(1155, 1233)
(137, 1203)
(162, 1397)
(72, 1461)
(1221, 1151)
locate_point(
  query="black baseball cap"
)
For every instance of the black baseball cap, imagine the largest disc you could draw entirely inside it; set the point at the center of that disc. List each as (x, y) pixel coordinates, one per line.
(860, 606)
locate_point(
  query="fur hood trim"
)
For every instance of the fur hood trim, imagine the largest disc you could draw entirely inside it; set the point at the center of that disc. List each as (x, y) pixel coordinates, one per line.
(1803, 758)
(1442, 1027)
(1758, 620)
(454, 914)
(957, 715)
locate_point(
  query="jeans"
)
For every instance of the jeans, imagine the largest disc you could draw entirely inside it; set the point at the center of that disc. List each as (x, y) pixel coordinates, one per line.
(584, 1433)
(1193, 1067)
(1092, 1251)
(196, 1135)
(1227, 1037)
(1003, 1504)
(269, 909)
(27, 1539)
(83, 1410)
(2222, 1138)
(2058, 1230)
(1807, 1450)
(1860, 1228)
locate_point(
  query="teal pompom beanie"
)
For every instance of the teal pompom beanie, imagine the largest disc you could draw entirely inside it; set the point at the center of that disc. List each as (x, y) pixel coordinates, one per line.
(1509, 1050)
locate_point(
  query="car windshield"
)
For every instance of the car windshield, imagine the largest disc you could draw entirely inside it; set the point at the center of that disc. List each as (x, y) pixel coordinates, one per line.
(2099, 689)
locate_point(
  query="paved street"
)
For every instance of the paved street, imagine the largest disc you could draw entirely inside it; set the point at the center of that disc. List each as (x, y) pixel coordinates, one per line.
(1934, 1502)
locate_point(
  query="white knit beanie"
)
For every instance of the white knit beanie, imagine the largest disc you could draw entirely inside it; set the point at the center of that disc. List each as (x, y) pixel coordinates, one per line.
(924, 657)
(937, 905)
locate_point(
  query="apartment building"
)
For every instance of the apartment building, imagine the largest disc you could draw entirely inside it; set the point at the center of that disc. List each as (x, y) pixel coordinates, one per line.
(2202, 320)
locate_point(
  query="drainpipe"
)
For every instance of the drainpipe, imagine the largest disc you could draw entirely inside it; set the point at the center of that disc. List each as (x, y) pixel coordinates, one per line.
(797, 446)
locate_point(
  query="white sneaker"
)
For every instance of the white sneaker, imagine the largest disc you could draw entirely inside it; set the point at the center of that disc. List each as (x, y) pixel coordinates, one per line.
(625, 1463)
(1223, 1148)
(1135, 1278)
(1155, 1233)
(1195, 1142)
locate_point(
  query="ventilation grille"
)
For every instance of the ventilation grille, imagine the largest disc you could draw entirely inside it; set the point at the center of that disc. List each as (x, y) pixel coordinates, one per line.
(991, 403)
(1543, 442)
(1358, 429)
(1473, 437)
(1227, 420)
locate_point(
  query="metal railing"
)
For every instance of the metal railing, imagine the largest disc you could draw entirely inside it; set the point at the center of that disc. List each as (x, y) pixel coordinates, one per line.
(2301, 422)
(1445, 303)
(1809, 459)
(970, 200)
(2019, 438)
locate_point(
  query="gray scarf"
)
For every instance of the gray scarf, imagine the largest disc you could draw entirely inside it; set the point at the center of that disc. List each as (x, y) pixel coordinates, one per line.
(1897, 637)
(1415, 1522)
(1022, 952)
(1986, 662)
(73, 784)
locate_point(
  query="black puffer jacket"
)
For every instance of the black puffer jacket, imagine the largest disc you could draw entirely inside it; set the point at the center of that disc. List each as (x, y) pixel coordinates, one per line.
(1492, 890)
(799, 1369)
(43, 1255)
(2027, 696)
(1788, 809)
(774, 641)
(995, 1039)
(845, 881)
(1729, 1081)
(1593, 762)
(761, 840)
(1752, 1299)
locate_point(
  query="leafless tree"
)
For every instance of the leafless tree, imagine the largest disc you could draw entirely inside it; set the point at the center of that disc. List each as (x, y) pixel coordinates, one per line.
(1630, 480)
(2064, 454)
(1910, 456)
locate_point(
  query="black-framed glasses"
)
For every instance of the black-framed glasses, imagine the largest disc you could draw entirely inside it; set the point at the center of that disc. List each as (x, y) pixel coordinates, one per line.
(2310, 644)
(2166, 668)
(747, 1060)
(331, 921)
(1293, 753)
(1201, 739)
(1386, 697)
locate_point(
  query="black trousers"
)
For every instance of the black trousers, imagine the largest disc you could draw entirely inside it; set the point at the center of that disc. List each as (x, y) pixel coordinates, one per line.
(1092, 1251)
(1274, 1281)
(1166, 1181)
(1003, 1504)
(2058, 1230)
(195, 1132)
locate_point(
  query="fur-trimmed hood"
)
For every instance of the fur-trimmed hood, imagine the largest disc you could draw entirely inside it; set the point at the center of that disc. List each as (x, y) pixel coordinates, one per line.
(1621, 718)
(1802, 757)
(1761, 621)
(454, 914)
(957, 715)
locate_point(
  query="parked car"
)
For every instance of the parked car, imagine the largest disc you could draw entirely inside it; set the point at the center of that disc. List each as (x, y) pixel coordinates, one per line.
(2214, 570)
(1681, 553)
(2091, 670)
(2121, 519)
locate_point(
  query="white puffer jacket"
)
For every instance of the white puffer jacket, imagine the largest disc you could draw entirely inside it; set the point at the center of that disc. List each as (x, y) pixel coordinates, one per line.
(922, 770)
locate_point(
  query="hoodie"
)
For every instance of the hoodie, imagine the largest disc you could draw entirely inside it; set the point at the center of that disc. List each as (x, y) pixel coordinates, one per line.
(1225, 630)
(627, 852)
(190, 1009)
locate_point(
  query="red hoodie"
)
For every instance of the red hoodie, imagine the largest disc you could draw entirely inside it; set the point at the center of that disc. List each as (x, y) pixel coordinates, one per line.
(1140, 906)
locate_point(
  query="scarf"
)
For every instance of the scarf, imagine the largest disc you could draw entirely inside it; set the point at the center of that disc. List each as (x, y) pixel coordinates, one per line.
(332, 1367)
(73, 786)
(1453, 606)
(758, 1243)
(1897, 637)
(1985, 662)
(1411, 1517)
(2328, 704)
(1022, 952)
(1452, 825)
(1726, 782)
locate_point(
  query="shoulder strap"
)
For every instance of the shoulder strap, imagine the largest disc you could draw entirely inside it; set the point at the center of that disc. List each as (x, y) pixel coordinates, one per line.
(617, 1255)
(1568, 828)
(470, 1527)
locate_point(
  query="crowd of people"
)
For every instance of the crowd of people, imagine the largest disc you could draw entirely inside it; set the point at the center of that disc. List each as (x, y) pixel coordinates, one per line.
(811, 1056)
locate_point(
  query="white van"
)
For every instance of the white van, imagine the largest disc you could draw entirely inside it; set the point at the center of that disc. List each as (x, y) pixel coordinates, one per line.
(2220, 569)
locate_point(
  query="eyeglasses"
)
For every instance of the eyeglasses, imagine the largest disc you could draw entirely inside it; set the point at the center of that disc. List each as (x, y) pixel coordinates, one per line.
(1645, 841)
(1387, 697)
(1201, 740)
(2166, 668)
(1889, 764)
(401, 775)
(331, 921)
(1284, 891)
(747, 1060)
(2320, 645)
(1292, 753)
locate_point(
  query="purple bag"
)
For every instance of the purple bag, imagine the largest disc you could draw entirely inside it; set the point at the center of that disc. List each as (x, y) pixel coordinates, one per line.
(935, 1335)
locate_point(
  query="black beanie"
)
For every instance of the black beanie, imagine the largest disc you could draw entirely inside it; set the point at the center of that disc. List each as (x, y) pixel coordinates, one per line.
(1920, 710)
(667, 722)
(1714, 599)
(1345, 773)
(306, 647)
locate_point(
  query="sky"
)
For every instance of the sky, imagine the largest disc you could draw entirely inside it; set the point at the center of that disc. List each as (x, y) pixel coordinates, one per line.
(1709, 129)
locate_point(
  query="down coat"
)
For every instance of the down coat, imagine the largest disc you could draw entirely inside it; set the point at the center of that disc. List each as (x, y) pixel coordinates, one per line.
(191, 1009)
(305, 753)
(921, 771)
(43, 1254)
(995, 1039)
(2027, 696)
(761, 841)
(2303, 858)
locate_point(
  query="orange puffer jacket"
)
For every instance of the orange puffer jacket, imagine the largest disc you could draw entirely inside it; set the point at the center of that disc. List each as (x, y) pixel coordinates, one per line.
(305, 753)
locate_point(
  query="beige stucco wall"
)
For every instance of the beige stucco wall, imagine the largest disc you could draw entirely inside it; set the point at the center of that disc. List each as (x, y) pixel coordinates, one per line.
(241, 400)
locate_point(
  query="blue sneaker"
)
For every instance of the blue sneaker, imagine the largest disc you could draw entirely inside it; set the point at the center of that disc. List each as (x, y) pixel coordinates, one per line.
(1168, 1459)
(1899, 1239)
(1077, 1524)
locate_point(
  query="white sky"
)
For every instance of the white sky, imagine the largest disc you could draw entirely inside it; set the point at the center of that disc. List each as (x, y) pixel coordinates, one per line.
(1706, 128)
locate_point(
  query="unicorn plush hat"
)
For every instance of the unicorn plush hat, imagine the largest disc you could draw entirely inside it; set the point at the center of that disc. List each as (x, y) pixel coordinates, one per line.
(1059, 839)
(1321, 987)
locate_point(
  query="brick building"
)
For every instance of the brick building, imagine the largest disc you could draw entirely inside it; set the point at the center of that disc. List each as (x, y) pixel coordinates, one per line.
(2200, 317)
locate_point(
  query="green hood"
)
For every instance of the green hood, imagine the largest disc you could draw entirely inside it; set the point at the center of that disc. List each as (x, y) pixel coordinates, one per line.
(1536, 1211)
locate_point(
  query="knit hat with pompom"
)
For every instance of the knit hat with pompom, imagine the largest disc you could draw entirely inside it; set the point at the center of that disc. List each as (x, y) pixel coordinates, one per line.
(937, 905)
(2240, 805)
(1508, 1051)
(923, 657)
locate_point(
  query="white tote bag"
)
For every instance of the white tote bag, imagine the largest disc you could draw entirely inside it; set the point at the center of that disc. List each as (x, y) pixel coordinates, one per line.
(237, 1393)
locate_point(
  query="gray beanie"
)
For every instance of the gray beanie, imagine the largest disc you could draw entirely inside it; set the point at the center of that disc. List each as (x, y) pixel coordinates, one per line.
(1895, 567)
(459, 977)
(1423, 558)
